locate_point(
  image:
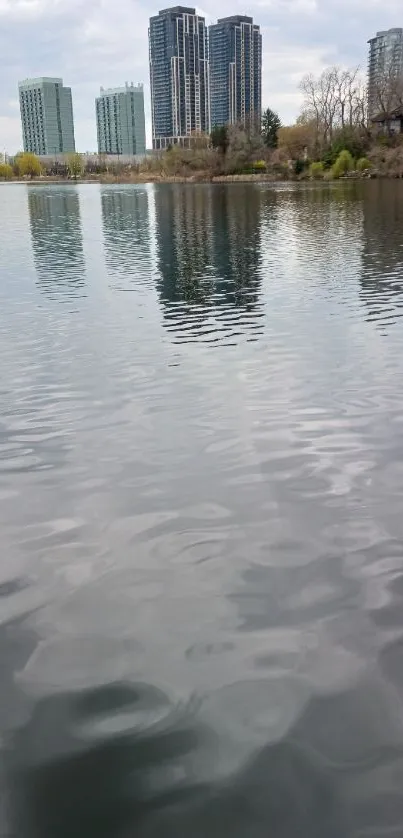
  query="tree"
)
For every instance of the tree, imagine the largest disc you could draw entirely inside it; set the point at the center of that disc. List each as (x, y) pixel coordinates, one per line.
(386, 93)
(298, 140)
(334, 100)
(75, 165)
(28, 164)
(219, 138)
(270, 126)
(6, 171)
(245, 146)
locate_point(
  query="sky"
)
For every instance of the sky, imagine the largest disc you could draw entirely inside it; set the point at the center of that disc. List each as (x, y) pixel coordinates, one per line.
(94, 43)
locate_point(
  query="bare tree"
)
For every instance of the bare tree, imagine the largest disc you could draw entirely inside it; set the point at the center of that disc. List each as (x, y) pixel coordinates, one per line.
(336, 99)
(386, 92)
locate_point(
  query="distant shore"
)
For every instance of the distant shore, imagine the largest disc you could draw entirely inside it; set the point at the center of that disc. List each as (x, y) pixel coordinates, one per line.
(199, 178)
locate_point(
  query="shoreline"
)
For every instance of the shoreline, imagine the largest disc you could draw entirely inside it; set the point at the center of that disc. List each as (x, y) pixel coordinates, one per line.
(144, 180)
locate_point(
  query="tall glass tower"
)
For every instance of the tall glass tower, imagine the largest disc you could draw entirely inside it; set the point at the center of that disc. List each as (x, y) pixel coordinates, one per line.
(47, 116)
(179, 76)
(385, 64)
(235, 46)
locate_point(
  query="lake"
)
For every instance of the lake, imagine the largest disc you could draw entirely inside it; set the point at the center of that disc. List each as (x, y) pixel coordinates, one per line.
(201, 486)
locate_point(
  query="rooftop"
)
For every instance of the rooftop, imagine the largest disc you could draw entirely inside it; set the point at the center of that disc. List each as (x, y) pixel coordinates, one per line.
(396, 113)
(178, 10)
(39, 80)
(128, 88)
(383, 32)
(236, 19)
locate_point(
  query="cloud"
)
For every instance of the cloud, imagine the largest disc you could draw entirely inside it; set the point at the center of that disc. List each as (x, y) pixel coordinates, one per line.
(95, 42)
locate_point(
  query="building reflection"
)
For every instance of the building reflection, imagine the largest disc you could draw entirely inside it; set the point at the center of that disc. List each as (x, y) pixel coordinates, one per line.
(209, 259)
(126, 229)
(382, 258)
(57, 241)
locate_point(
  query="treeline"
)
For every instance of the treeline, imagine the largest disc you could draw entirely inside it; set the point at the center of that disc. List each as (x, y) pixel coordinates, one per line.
(25, 164)
(340, 131)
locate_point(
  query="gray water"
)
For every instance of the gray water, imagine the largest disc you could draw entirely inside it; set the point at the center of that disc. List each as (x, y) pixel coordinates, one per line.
(201, 516)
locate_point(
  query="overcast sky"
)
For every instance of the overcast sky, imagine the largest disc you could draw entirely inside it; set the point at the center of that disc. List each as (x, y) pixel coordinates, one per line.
(100, 42)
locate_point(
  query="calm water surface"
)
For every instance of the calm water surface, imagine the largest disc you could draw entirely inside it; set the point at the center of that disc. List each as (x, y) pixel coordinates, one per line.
(201, 486)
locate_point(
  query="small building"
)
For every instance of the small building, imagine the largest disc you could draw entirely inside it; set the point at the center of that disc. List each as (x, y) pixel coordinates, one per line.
(389, 123)
(120, 120)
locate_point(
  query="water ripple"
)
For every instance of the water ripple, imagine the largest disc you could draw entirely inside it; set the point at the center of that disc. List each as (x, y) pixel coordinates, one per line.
(201, 486)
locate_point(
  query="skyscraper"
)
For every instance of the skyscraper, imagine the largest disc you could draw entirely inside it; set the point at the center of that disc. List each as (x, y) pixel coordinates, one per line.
(235, 46)
(179, 76)
(120, 120)
(384, 67)
(46, 115)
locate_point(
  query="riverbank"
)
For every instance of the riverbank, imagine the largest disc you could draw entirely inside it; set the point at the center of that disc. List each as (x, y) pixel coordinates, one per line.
(211, 165)
(199, 177)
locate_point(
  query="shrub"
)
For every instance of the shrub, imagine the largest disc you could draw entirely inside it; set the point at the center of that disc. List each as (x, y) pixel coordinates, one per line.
(6, 171)
(27, 164)
(259, 165)
(343, 164)
(75, 165)
(316, 170)
(300, 166)
(363, 164)
(346, 139)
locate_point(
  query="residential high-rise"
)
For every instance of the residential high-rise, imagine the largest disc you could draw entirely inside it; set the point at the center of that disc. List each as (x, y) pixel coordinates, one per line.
(120, 120)
(47, 116)
(235, 47)
(179, 76)
(384, 67)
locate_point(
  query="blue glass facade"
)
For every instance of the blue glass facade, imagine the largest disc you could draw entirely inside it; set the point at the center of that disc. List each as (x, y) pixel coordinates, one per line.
(179, 76)
(235, 48)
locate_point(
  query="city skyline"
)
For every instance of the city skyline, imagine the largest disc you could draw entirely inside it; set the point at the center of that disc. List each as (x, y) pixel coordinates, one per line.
(309, 39)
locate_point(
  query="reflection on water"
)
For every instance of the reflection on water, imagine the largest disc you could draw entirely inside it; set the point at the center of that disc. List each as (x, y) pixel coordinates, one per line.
(381, 279)
(126, 225)
(209, 258)
(57, 241)
(201, 584)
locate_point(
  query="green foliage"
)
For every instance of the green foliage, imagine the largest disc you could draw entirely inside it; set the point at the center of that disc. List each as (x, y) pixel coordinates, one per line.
(343, 164)
(329, 157)
(363, 164)
(352, 140)
(27, 164)
(270, 126)
(6, 171)
(300, 166)
(75, 165)
(316, 170)
(219, 138)
(259, 165)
